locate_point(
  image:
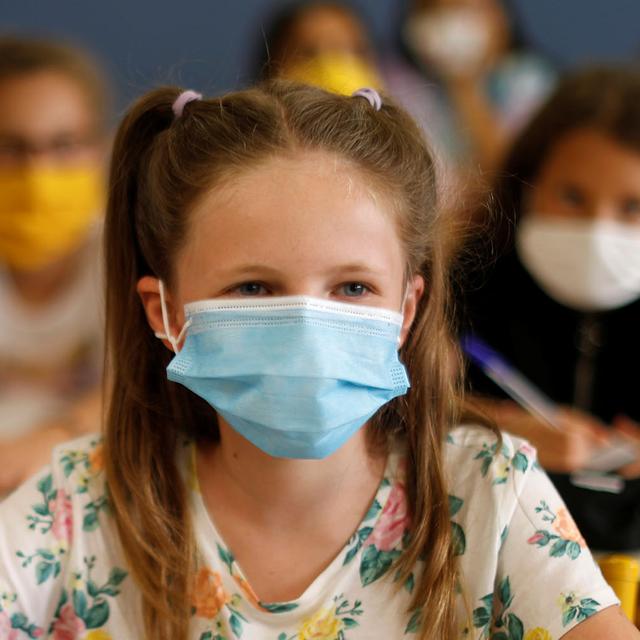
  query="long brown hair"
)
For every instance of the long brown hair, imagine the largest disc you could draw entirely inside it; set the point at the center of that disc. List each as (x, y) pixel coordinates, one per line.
(160, 166)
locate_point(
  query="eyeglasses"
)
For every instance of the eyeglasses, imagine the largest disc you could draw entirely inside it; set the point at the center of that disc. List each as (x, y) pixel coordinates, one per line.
(61, 148)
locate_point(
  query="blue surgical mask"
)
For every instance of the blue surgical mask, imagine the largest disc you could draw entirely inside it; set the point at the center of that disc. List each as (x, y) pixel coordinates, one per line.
(296, 376)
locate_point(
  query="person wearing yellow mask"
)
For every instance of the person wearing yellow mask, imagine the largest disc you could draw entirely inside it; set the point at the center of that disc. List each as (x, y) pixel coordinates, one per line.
(324, 44)
(53, 123)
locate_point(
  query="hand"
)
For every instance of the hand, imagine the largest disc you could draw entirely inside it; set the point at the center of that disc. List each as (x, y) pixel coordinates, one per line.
(565, 449)
(23, 456)
(629, 430)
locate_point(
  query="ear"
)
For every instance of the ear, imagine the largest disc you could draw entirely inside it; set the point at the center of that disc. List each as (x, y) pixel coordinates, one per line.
(415, 289)
(148, 289)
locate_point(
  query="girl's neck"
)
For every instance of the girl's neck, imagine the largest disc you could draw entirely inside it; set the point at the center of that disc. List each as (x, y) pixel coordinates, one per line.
(285, 521)
(237, 473)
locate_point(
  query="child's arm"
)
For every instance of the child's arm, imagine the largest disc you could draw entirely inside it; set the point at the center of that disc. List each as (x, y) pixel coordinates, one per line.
(22, 456)
(609, 624)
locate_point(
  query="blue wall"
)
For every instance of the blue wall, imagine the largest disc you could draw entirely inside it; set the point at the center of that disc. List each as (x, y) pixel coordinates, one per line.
(208, 44)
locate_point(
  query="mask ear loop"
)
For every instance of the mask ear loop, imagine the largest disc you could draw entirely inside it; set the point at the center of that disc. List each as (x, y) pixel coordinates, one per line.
(167, 335)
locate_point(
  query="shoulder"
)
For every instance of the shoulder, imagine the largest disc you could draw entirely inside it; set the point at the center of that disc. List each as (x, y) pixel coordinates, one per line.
(42, 518)
(476, 454)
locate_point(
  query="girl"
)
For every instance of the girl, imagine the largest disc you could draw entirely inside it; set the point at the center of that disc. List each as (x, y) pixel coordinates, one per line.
(279, 252)
(562, 303)
(53, 141)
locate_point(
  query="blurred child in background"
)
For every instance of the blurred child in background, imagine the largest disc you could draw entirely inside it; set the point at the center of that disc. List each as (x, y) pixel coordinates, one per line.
(483, 84)
(562, 303)
(322, 43)
(53, 124)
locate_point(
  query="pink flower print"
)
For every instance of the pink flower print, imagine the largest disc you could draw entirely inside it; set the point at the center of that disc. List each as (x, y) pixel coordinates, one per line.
(535, 538)
(393, 522)
(61, 510)
(68, 626)
(6, 632)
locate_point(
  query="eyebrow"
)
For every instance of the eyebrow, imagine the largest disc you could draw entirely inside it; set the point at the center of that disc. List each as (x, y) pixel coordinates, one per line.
(354, 267)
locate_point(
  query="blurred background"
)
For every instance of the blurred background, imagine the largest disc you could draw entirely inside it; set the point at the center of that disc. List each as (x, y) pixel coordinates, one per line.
(211, 45)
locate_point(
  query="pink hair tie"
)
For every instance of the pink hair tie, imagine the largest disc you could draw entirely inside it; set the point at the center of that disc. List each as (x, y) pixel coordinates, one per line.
(371, 95)
(183, 99)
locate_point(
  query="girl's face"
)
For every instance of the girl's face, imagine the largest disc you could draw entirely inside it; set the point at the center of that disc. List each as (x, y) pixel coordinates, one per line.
(588, 175)
(297, 225)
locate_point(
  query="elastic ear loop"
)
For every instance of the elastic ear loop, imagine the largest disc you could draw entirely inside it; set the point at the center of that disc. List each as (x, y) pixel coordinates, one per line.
(165, 322)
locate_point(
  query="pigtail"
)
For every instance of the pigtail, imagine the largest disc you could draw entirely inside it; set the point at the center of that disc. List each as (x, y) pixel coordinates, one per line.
(147, 494)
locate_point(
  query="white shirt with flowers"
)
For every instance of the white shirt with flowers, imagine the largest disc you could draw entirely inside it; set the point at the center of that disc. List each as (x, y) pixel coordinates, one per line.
(525, 571)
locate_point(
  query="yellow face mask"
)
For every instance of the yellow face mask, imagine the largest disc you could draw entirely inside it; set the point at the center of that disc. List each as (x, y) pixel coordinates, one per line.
(46, 213)
(336, 72)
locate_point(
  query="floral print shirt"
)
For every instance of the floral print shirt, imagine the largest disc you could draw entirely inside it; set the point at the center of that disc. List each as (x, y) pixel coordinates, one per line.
(525, 571)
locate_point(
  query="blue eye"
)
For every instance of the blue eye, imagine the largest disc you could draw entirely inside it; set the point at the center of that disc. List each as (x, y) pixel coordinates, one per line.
(354, 289)
(251, 289)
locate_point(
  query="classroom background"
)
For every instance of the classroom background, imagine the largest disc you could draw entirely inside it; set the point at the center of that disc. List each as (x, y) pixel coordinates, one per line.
(211, 45)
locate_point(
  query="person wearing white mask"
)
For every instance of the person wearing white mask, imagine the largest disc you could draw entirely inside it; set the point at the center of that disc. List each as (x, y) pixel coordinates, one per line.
(562, 301)
(483, 79)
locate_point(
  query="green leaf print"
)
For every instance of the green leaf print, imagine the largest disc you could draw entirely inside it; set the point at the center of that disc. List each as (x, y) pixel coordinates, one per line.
(503, 535)
(279, 607)
(455, 504)
(515, 626)
(520, 462)
(579, 610)
(45, 484)
(373, 511)
(117, 576)
(357, 540)
(459, 540)
(43, 571)
(375, 564)
(413, 626)
(79, 603)
(236, 625)
(409, 583)
(97, 615)
(90, 521)
(226, 557)
(558, 548)
(573, 550)
(504, 593)
(481, 617)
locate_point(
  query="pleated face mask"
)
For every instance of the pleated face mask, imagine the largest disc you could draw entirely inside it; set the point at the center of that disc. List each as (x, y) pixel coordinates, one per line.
(296, 376)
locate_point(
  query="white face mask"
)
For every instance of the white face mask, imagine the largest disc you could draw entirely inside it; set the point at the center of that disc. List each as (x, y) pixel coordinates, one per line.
(454, 40)
(582, 264)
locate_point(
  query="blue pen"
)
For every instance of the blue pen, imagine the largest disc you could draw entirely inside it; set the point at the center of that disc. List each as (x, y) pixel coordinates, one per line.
(597, 474)
(511, 381)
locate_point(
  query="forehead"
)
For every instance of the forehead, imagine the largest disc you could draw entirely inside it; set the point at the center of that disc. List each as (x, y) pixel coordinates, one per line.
(297, 210)
(594, 159)
(42, 104)
(325, 25)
